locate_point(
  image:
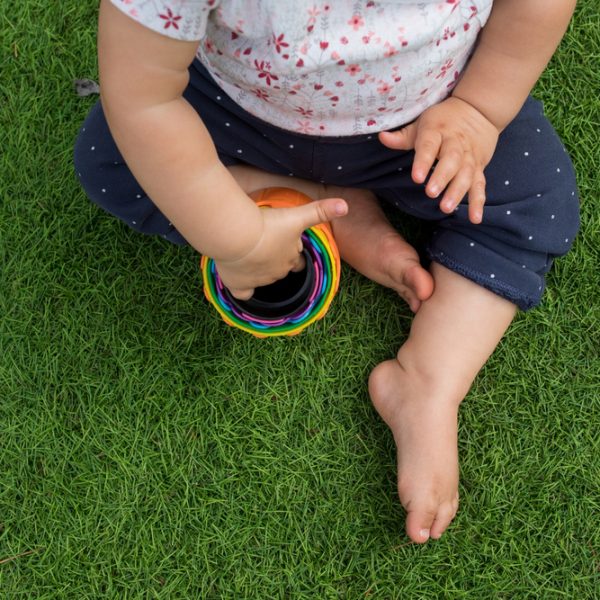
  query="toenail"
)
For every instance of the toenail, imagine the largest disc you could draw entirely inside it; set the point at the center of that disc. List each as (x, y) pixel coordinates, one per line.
(424, 533)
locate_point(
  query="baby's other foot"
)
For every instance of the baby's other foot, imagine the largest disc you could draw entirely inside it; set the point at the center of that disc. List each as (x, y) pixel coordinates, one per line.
(368, 242)
(425, 431)
(395, 264)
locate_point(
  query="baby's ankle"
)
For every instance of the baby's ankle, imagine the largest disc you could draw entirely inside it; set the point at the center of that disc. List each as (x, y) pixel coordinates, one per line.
(432, 382)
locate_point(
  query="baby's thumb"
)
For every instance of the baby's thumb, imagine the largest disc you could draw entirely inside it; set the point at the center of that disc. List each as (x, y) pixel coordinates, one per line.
(403, 139)
(320, 211)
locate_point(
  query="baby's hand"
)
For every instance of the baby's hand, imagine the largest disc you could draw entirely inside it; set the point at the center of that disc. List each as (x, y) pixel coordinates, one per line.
(463, 142)
(278, 248)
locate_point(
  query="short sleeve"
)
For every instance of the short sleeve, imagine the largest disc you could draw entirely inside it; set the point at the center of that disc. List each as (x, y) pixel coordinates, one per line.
(178, 19)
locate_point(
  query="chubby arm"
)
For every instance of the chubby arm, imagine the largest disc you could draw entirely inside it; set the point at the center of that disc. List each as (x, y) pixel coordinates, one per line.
(514, 48)
(461, 132)
(169, 151)
(171, 154)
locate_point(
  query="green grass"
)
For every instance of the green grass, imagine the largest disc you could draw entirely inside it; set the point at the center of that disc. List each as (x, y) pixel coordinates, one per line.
(148, 451)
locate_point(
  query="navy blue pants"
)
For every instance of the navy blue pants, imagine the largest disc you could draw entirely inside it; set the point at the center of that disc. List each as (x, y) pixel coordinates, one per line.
(531, 215)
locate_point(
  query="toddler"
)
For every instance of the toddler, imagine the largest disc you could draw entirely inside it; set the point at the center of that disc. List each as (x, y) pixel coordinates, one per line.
(422, 105)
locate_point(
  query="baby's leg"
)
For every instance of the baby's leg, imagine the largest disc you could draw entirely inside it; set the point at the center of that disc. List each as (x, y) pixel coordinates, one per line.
(366, 239)
(418, 393)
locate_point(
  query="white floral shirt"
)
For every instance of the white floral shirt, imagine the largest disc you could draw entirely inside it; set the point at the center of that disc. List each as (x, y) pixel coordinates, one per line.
(337, 68)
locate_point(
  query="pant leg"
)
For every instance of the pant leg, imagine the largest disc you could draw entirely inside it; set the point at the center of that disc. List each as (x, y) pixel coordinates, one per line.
(531, 216)
(238, 137)
(109, 183)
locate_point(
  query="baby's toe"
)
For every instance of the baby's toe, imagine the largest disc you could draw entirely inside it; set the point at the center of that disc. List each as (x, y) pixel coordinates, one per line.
(455, 503)
(419, 281)
(411, 281)
(445, 514)
(419, 522)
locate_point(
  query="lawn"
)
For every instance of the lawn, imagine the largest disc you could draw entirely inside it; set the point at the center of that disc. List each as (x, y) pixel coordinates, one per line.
(149, 451)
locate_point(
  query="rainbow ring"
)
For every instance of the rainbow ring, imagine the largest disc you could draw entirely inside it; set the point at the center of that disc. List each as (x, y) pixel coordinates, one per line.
(289, 306)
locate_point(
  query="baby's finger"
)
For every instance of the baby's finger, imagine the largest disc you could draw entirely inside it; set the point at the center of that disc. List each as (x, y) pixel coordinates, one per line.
(477, 199)
(449, 163)
(458, 188)
(427, 147)
(319, 211)
(242, 294)
(402, 139)
(299, 264)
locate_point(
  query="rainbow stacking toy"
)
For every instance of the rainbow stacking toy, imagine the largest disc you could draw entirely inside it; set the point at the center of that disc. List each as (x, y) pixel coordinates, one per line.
(290, 305)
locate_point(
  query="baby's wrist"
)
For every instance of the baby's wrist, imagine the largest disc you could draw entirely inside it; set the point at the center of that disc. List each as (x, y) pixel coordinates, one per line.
(483, 111)
(251, 233)
(230, 224)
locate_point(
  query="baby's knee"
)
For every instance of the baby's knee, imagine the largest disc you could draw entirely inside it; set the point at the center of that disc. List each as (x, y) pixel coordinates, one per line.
(98, 163)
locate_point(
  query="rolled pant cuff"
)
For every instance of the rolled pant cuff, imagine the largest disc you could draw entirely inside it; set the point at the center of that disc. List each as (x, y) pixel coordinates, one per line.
(523, 301)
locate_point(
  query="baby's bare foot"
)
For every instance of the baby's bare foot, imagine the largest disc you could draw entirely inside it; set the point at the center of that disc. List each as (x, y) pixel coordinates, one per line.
(394, 263)
(366, 239)
(425, 432)
(369, 243)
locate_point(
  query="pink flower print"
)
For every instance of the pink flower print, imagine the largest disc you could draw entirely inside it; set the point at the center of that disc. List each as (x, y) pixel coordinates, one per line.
(209, 47)
(448, 33)
(170, 19)
(353, 70)
(367, 38)
(279, 43)
(454, 80)
(305, 112)
(445, 68)
(356, 22)
(305, 127)
(344, 40)
(312, 18)
(331, 97)
(403, 41)
(314, 12)
(365, 79)
(261, 94)
(238, 52)
(263, 69)
(389, 50)
(384, 88)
